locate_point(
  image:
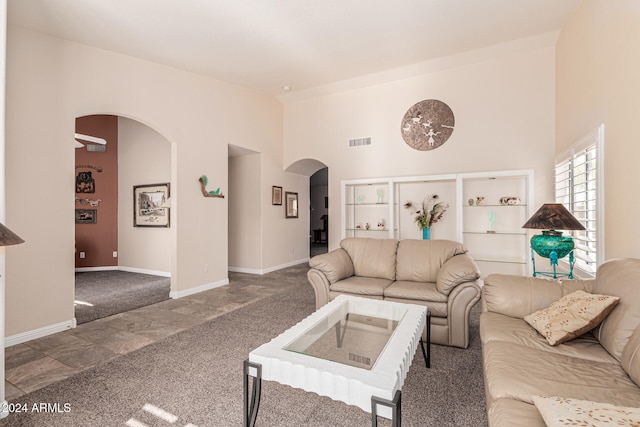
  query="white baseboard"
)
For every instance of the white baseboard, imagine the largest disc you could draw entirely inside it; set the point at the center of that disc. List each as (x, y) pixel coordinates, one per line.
(125, 268)
(268, 269)
(145, 271)
(39, 333)
(105, 268)
(198, 289)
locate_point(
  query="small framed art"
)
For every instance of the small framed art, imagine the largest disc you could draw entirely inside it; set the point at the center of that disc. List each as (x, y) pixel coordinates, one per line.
(276, 195)
(150, 205)
(86, 216)
(291, 207)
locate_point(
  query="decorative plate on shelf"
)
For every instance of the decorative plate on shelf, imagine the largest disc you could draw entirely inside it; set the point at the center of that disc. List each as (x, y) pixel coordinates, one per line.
(427, 125)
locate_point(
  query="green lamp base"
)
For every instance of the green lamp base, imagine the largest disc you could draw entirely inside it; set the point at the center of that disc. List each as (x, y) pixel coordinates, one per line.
(553, 245)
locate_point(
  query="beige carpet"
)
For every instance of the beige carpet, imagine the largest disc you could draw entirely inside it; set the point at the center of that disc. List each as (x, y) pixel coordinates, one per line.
(101, 294)
(194, 378)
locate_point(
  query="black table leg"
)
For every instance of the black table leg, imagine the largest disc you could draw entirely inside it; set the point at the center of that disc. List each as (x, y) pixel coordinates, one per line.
(427, 353)
(396, 409)
(251, 410)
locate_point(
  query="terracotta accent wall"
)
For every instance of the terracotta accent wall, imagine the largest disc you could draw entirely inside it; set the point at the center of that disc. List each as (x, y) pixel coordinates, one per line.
(96, 194)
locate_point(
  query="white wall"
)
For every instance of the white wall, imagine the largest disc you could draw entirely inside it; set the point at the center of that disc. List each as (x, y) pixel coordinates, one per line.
(144, 157)
(504, 108)
(245, 211)
(50, 82)
(597, 83)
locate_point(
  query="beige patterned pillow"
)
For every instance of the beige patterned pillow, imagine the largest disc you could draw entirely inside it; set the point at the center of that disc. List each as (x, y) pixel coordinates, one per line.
(562, 411)
(571, 316)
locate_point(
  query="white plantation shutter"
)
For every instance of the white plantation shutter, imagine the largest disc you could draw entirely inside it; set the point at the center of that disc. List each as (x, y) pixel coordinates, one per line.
(579, 187)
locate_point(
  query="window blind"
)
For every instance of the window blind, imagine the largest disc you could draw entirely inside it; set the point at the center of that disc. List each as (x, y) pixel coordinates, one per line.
(578, 177)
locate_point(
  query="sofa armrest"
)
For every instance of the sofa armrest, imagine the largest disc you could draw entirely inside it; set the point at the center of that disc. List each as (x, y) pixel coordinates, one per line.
(335, 265)
(461, 300)
(456, 270)
(327, 269)
(518, 296)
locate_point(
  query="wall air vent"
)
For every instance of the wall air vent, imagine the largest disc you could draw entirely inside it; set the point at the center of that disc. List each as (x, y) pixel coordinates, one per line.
(96, 148)
(359, 142)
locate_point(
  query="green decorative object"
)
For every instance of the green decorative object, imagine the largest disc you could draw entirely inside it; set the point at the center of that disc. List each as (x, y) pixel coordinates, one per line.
(551, 243)
(204, 181)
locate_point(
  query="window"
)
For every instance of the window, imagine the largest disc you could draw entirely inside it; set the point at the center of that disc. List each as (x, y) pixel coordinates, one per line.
(579, 186)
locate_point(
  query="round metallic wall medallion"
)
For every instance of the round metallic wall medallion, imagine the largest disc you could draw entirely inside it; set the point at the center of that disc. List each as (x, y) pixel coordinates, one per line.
(427, 125)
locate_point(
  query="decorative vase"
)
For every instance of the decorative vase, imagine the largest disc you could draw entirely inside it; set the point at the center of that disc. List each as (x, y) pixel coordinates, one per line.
(426, 233)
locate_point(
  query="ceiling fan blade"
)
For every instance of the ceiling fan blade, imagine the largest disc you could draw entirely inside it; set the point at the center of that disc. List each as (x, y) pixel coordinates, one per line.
(90, 138)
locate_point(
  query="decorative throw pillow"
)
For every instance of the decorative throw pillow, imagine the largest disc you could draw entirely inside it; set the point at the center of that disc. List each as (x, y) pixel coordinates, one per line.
(571, 316)
(562, 411)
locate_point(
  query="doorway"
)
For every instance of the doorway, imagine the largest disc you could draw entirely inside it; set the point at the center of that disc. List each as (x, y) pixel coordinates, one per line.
(122, 267)
(319, 215)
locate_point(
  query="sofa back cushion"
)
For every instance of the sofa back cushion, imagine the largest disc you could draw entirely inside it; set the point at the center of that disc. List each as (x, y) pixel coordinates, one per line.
(621, 278)
(372, 257)
(420, 260)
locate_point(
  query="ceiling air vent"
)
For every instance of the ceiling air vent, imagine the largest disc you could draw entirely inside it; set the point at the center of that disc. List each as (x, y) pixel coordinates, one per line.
(359, 142)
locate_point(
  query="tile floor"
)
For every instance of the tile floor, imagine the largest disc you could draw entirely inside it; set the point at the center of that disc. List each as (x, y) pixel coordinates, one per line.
(38, 363)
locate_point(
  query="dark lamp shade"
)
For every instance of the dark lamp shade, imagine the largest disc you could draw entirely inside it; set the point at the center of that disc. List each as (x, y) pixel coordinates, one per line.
(553, 216)
(8, 237)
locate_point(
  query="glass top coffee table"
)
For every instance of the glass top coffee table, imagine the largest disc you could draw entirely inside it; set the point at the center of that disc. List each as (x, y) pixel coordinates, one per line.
(354, 350)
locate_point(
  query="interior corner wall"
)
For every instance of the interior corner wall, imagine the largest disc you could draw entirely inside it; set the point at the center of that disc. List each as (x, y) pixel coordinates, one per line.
(597, 83)
(504, 108)
(144, 158)
(96, 187)
(245, 212)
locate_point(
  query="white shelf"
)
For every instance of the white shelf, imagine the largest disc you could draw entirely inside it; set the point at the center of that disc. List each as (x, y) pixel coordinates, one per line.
(505, 250)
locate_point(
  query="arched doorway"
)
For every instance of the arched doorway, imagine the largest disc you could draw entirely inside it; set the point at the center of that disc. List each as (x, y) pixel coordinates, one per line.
(115, 154)
(318, 174)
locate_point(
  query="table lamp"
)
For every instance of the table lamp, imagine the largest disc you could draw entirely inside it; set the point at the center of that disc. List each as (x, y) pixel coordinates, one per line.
(8, 237)
(551, 244)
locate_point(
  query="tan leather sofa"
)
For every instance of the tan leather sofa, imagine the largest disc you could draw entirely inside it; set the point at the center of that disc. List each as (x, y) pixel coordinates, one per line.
(436, 273)
(600, 366)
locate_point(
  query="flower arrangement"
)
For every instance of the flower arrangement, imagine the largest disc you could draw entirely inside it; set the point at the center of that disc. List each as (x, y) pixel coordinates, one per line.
(431, 212)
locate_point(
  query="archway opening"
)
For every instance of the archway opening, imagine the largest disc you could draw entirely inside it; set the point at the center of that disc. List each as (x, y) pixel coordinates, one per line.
(121, 261)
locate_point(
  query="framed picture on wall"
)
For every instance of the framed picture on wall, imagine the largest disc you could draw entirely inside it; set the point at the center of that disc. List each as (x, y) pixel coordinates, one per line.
(86, 216)
(291, 208)
(276, 195)
(151, 205)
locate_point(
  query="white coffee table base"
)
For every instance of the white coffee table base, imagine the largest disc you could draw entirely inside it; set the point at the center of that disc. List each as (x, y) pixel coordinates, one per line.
(377, 390)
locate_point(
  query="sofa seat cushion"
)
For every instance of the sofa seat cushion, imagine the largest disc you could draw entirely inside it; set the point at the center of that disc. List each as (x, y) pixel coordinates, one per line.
(520, 372)
(423, 291)
(510, 413)
(420, 292)
(356, 285)
(498, 327)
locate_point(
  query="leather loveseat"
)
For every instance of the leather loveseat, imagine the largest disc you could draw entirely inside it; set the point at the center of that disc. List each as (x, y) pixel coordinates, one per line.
(598, 368)
(435, 273)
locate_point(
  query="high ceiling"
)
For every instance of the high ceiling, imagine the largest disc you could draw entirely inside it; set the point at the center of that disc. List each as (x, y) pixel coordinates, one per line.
(270, 44)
